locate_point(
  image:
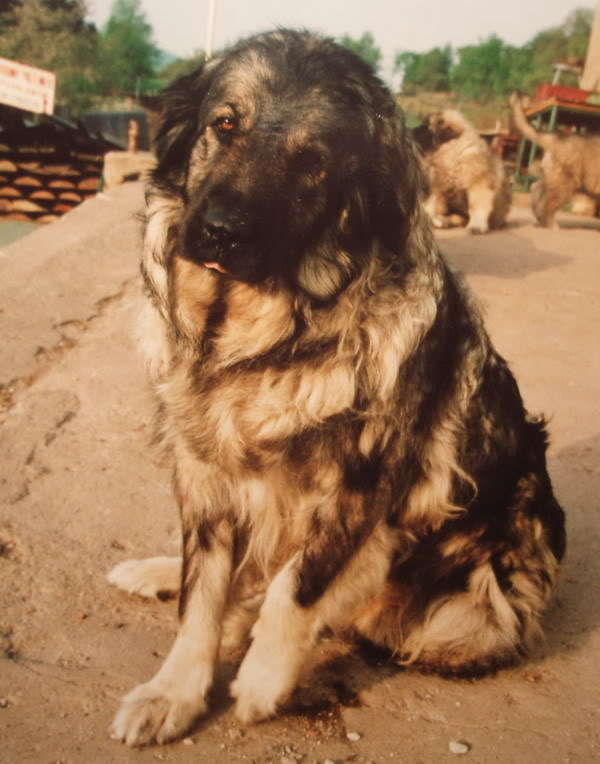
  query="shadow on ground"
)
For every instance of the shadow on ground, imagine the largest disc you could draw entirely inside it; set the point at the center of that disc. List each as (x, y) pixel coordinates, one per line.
(502, 254)
(572, 223)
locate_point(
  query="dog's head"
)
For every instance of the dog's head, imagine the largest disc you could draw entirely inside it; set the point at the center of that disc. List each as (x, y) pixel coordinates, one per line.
(292, 162)
(439, 128)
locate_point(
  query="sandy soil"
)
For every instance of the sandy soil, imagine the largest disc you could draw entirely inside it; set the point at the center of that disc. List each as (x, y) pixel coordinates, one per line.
(80, 490)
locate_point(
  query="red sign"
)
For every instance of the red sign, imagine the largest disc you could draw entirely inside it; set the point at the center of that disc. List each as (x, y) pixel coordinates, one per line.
(26, 87)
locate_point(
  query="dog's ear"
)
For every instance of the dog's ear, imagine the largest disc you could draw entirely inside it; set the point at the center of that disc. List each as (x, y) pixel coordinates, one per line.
(423, 137)
(398, 181)
(179, 109)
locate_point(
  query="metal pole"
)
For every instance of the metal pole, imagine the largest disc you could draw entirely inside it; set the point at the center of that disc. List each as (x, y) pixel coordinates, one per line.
(210, 28)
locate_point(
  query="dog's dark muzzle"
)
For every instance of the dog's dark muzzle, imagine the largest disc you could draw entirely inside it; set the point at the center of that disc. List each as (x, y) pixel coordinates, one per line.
(220, 233)
(225, 227)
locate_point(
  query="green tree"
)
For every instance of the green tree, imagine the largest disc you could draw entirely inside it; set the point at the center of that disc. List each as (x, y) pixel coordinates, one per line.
(365, 47)
(578, 28)
(492, 68)
(567, 43)
(55, 36)
(489, 70)
(128, 55)
(425, 71)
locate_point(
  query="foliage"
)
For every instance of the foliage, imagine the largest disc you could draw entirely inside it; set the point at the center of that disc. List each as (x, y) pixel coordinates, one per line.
(55, 36)
(492, 68)
(489, 70)
(567, 43)
(425, 71)
(365, 47)
(128, 57)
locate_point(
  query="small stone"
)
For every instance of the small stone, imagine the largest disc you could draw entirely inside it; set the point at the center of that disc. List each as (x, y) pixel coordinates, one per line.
(234, 733)
(3, 702)
(329, 761)
(353, 736)
(222, 746)
(287, 760)
(458, 746)
(188, 741)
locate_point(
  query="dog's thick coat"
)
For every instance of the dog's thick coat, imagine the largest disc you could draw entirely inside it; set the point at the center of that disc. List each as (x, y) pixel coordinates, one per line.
(570, 163)
(349, 450)
(468, 183)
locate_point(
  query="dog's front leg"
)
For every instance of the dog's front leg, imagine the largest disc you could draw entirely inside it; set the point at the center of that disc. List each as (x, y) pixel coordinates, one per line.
(166, 706)
(481, 204)
(312, 590)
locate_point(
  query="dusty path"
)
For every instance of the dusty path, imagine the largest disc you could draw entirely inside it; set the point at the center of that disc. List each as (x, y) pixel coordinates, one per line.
(80, 490)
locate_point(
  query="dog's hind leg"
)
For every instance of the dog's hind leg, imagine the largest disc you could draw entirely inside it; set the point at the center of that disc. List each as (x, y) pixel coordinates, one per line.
(152, 577)
(299, 602)
(491, 620)
(166, 706)
(436, 206)
(548, 195)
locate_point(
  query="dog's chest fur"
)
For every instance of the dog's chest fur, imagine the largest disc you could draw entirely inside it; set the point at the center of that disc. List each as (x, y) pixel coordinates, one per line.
(261, 394)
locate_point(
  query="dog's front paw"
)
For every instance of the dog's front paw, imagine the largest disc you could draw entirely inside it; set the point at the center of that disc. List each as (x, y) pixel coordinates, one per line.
(153, 577)
(253, 703)
(151, 713)
(476, 229)
(478, 223)
(259, 689)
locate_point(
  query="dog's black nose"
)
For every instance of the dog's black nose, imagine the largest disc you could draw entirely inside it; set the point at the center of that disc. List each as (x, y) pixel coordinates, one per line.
(227, 223)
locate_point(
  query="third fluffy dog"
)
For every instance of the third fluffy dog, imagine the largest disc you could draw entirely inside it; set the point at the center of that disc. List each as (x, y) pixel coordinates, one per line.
(571, 163)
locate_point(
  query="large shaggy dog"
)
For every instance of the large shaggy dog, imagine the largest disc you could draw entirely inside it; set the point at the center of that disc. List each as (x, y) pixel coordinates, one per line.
(349, 450)
(570, 163)
(468, 184)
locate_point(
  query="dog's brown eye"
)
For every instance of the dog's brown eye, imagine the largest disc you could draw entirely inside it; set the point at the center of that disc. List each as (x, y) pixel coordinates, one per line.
(224, 124)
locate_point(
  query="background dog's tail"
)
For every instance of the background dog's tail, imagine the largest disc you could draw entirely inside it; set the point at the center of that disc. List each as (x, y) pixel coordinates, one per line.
(542, 139)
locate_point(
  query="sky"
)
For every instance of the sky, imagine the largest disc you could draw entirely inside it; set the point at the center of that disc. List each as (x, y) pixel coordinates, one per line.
(180, 26)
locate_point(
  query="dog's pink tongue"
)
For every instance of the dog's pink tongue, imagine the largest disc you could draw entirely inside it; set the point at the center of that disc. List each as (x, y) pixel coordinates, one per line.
(216, 267)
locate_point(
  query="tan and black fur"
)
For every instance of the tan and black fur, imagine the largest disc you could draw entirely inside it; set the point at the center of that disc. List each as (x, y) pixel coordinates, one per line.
(348, 448)
(571, 163)
(468, 183)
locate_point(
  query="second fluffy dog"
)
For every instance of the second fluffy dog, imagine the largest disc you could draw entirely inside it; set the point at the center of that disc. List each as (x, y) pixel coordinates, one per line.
(468, 184)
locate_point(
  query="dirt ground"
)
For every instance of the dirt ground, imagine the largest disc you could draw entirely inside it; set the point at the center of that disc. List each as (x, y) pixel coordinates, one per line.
(81, 490)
